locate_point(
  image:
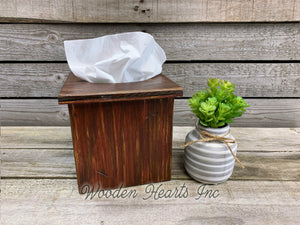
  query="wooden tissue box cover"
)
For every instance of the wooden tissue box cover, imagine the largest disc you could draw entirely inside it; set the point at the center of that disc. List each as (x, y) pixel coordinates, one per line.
(122, 133)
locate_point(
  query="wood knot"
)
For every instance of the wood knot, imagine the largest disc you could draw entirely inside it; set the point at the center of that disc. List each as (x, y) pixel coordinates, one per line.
(136, 8)
(145, 10)
(64, 114)
(52, 38)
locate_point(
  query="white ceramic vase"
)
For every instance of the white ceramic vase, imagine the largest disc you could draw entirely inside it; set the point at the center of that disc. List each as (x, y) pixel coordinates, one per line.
(209, 162)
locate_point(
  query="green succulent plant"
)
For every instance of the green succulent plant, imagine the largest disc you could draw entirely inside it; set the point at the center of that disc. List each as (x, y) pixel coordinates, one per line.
(218, 105)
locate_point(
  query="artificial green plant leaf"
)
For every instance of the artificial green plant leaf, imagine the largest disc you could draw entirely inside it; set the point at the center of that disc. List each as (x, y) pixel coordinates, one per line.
(218, 105)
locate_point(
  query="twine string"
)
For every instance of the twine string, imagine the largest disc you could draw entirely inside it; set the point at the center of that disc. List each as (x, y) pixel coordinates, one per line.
(206, 137)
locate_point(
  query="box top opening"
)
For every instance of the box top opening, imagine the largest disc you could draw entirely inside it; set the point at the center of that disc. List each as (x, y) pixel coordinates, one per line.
(76, 90)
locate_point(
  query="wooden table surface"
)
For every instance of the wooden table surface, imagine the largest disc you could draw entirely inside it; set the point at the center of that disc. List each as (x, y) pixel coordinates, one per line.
(39, 186)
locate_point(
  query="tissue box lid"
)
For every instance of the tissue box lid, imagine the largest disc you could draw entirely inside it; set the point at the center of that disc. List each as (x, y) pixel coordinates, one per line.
(76, 90)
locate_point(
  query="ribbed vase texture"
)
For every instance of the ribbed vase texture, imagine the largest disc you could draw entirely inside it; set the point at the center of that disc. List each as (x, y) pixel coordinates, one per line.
(209, 162)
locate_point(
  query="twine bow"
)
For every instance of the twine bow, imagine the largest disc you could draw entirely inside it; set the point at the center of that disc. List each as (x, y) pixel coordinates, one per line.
(206, 137)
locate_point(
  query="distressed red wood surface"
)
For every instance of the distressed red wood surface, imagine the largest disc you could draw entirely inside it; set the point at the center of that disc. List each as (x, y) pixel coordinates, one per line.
(122, 143)
(76, 90)
(122, 133)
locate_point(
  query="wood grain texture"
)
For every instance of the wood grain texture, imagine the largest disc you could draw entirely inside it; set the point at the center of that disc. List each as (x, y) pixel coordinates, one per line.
(150, 11)
(56, 201)
(36, 137)
(247, 41)
(239, 202)
(251, 79)
(261, 113)
(123, 142)
(59, 163)
(76, 90)
(47, 112)
(46, 152)
(249, 139)
(32, 158)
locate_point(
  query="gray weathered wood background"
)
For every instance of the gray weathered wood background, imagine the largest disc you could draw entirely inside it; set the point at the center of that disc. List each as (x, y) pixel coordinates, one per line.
(259, 51)
(254, 44)
(38, 183)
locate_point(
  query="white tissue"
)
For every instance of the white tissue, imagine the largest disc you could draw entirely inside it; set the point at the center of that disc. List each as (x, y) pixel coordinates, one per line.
(118, 58)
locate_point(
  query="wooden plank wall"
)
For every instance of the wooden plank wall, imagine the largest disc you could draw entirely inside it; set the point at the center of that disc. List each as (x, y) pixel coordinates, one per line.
(153, 11)
(256, 45)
